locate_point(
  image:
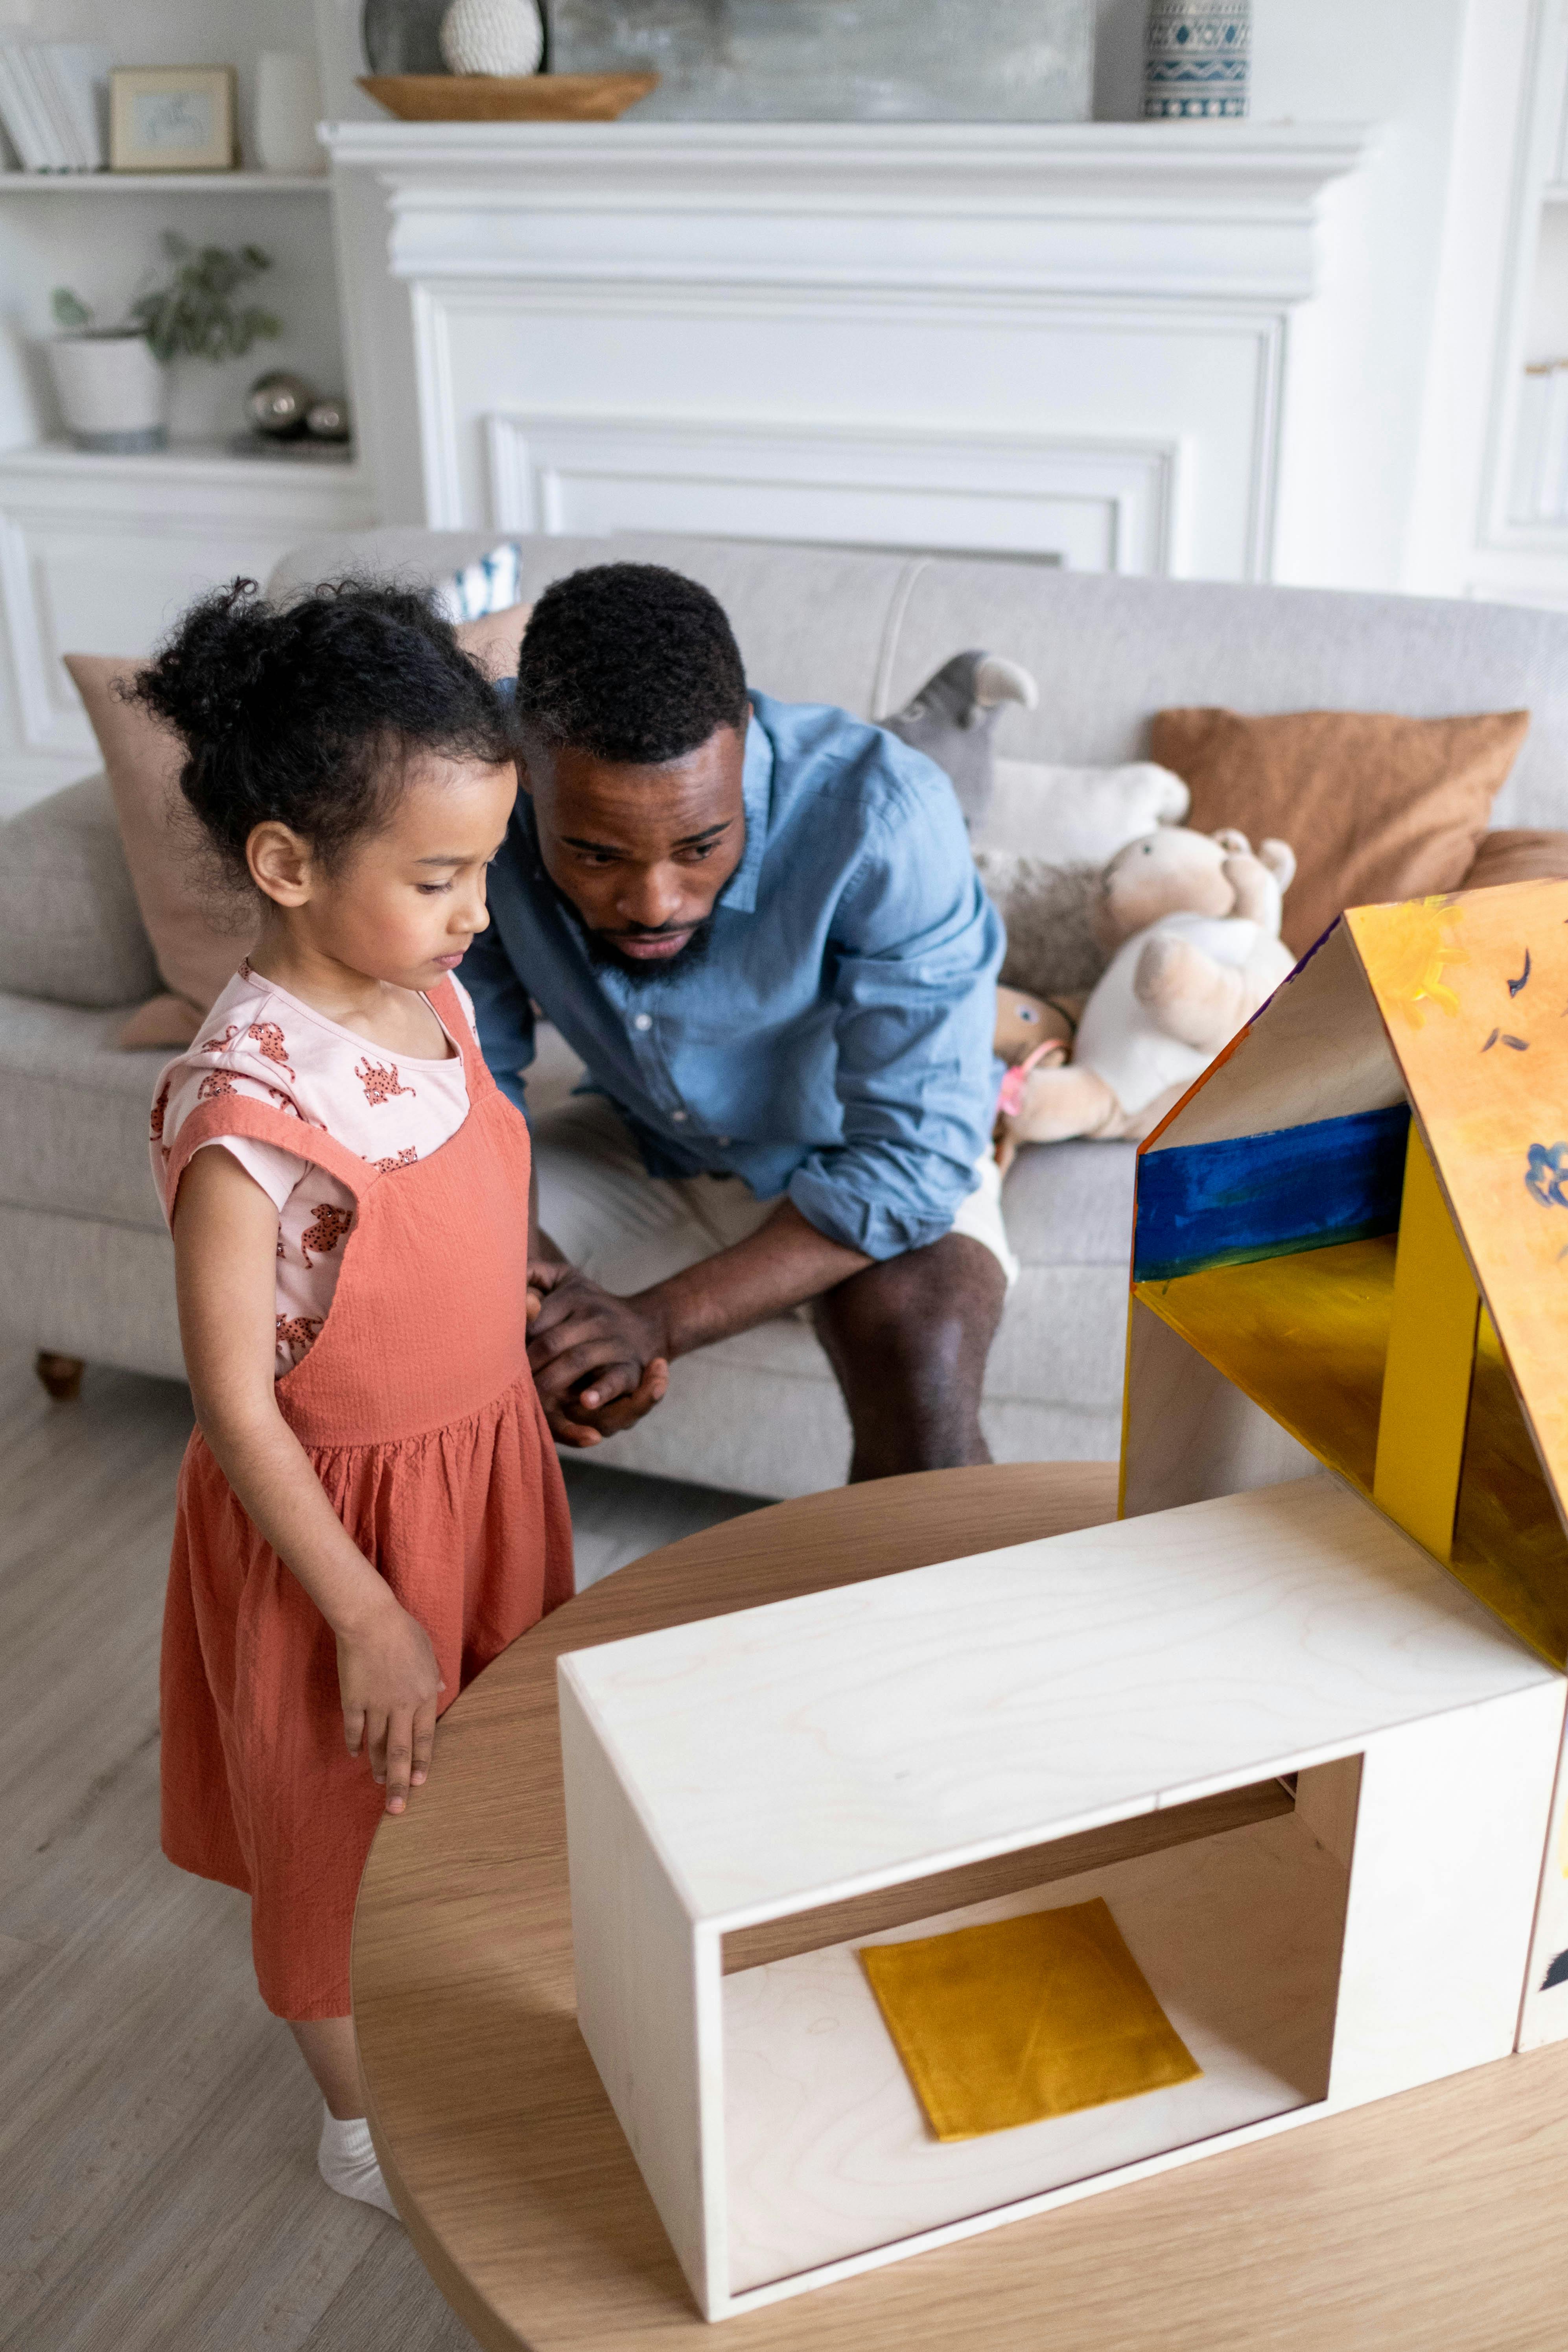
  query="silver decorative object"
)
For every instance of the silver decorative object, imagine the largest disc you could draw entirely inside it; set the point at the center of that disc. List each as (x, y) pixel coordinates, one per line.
(276, 403)
(403, 37)
(328, 420)
(1197, 56)
(839, 60)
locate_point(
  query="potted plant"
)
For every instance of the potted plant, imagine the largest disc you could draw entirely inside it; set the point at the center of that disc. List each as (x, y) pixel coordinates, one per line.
(112, 381)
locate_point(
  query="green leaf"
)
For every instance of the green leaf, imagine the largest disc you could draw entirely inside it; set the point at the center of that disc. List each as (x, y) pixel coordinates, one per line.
(69, 311)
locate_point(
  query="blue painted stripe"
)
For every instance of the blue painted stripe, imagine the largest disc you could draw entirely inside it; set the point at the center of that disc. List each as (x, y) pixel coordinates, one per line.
(1256, 1196)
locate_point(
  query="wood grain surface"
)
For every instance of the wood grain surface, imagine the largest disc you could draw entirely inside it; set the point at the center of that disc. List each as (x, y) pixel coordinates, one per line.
(1003, 1873)
(1432, 2220)
(508, 98)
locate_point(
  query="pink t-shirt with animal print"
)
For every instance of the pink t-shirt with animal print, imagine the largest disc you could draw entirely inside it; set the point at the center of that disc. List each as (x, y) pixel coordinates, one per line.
(261, 1042)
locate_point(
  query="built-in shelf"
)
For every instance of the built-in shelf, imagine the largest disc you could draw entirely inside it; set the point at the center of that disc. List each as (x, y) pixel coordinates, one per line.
(210, 460)
(163, 184)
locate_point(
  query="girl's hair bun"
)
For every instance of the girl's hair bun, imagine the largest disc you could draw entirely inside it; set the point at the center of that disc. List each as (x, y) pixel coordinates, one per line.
(305, 713)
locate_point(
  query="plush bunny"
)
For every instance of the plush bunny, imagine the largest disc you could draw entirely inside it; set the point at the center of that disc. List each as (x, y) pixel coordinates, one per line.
(952, 719)
(1194, 922)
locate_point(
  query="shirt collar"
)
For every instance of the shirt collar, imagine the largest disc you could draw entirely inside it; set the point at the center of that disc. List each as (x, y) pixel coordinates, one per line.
(740, 893)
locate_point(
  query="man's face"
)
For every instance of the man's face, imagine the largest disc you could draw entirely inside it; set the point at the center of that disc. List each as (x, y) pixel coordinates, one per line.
(641, 853)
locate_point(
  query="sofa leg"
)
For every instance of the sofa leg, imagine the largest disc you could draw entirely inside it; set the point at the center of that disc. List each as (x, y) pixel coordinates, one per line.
(61, 1375)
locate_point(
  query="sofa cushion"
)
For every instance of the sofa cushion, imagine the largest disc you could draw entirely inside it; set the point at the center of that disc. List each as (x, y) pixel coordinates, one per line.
(74, 1138)
(70, 930)
(197, 956)
(200, 933)
(1375, 806)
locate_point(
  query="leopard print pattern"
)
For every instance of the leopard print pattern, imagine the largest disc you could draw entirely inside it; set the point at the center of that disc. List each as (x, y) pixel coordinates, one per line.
(380, 1080)
(325, 1232)
(264, 1036)
(298, 1331)
(404, 1158)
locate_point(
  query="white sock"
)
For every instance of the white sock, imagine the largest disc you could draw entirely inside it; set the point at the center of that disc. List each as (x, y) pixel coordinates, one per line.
(346, 2160)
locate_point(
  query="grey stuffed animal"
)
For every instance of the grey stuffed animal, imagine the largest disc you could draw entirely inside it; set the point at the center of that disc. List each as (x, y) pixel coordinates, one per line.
(952, 719)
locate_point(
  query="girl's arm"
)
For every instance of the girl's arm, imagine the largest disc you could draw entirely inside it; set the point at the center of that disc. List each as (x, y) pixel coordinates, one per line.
(226, 1245)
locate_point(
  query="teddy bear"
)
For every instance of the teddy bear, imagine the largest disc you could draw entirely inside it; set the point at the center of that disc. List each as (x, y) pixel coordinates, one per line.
(1193, 923)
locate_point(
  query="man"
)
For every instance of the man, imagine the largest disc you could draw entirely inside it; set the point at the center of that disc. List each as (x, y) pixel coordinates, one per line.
(760, 927)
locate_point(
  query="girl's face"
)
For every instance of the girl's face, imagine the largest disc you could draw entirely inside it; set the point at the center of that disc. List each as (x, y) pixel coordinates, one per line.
(402, 904)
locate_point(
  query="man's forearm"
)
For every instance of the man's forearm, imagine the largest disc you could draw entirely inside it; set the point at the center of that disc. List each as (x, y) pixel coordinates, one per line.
(782, 1265)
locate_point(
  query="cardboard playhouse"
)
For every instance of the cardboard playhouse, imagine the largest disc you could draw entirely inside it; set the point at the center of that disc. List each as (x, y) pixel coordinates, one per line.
(909, 1908)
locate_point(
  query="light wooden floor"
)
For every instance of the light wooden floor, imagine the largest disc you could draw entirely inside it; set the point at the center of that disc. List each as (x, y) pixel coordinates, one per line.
(158, 2189)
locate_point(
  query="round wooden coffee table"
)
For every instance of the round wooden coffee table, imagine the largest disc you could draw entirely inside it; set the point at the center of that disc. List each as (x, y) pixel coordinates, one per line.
(1431, 2221)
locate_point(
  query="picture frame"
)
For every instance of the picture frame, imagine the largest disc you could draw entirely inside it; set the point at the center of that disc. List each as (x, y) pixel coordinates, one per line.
(172, 118)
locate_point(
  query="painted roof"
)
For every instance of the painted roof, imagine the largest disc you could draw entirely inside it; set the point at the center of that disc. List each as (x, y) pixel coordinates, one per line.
(1453, 1012)
(1474, 995)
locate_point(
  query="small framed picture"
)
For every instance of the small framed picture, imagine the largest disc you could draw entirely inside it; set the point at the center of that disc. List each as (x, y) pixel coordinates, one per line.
(172, 118)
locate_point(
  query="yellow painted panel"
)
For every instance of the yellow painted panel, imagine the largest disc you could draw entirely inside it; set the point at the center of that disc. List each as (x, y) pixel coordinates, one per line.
(1509, 1544)
(1305, 1336)
(1474, 992)
(1431, 1356)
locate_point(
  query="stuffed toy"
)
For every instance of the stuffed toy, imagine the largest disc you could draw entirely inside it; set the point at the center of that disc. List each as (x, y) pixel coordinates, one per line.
(1193, 921)
(1032, 1033)
(952, 717)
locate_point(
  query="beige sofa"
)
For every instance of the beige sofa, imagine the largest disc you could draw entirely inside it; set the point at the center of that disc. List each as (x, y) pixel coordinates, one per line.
(85, 1266)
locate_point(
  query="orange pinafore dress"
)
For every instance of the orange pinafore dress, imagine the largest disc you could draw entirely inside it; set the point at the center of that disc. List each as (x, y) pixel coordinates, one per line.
(419, 1414)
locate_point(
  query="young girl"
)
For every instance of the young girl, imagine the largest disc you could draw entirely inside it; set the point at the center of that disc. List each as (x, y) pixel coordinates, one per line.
(370, 1508)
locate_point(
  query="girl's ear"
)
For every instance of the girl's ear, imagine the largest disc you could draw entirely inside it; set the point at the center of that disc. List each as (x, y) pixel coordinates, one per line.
(281, 865)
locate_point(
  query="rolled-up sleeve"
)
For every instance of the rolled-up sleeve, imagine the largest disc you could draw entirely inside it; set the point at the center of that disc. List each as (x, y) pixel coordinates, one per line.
(504, 1014)
(917, 947)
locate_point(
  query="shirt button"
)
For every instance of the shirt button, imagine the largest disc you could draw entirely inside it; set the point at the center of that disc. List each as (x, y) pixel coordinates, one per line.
(643, 1021)
(723, 1143)
(679, 1117)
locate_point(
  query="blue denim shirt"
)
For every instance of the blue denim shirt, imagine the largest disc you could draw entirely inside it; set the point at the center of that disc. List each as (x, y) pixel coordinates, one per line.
(835, 1041)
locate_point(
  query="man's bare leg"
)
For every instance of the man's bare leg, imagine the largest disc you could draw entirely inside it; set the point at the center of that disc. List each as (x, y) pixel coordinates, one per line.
(908, 1340)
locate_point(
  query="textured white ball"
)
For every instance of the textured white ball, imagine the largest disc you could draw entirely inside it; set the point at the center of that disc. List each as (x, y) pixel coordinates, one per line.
(492, 36)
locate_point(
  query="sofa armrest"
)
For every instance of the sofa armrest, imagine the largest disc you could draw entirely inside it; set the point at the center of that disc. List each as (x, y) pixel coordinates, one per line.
(69, 929)
(1518, 856)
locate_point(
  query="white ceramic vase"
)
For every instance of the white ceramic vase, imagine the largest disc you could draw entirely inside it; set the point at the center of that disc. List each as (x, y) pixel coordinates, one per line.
(288, 109)
(492, 36)
(113, 391)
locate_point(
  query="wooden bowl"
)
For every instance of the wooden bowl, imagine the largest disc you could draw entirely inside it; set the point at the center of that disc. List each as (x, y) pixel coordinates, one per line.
(508, 98)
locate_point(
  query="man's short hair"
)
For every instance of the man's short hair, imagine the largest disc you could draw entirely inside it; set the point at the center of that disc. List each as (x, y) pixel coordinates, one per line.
(630, 662)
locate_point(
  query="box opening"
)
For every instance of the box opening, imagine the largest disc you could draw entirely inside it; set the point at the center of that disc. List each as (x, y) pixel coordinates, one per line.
(1234, 1908)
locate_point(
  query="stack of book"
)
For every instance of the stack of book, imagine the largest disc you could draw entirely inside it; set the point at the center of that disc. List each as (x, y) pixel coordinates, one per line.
(54, 103)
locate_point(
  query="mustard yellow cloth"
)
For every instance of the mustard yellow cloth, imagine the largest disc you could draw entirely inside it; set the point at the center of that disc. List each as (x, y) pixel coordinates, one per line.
(1026, 2017)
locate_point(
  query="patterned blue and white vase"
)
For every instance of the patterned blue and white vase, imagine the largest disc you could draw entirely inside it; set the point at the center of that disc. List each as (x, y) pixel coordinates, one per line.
(1196, 58)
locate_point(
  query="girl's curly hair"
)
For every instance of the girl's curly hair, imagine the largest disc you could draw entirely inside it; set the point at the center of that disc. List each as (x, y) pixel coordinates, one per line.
(308, 713)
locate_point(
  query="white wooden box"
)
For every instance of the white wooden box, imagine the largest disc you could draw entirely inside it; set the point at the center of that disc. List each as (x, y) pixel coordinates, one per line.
(1309, 1775)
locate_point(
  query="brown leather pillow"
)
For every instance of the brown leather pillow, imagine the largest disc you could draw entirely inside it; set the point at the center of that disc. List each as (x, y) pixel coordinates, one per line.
(1518, 856)
(196, 955)
(1374, 806)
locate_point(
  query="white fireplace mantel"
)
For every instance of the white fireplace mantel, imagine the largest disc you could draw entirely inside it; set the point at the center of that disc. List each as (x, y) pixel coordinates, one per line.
(1081, 329)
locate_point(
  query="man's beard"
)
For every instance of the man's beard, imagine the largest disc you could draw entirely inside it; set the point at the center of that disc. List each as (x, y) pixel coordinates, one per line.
(605, 953)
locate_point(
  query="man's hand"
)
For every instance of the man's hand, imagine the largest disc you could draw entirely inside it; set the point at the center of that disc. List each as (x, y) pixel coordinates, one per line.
(599, 1362)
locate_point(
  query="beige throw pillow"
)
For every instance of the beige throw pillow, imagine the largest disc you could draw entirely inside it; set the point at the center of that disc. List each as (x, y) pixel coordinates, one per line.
(1375, 806)
(197, 954)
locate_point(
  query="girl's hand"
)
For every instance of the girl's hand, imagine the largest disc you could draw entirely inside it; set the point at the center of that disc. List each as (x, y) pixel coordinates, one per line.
(389, 1683)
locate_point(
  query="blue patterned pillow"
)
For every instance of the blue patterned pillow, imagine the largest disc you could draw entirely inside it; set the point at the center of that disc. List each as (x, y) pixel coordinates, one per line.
(488, 585)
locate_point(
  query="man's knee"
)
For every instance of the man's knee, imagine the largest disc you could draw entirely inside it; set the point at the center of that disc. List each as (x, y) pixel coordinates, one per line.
(929, 1306)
